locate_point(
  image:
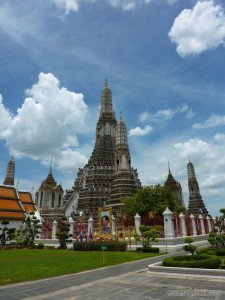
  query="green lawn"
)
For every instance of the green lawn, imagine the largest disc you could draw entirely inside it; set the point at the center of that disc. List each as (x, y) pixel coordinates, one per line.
(21, 265)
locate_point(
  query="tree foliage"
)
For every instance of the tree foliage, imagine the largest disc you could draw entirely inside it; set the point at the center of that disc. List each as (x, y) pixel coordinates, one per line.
(149, 198)
(6, 234)
(63, 233)
(27, 235)
(190, 248)
(148, 234)
(217, 235)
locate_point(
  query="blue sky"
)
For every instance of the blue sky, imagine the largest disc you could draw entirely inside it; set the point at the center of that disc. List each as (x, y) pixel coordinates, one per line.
(164, 61)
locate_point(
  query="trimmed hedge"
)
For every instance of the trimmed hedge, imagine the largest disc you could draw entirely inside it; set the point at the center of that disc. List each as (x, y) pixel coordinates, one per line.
(96, 246)
(213, 251)
(196, 261)
(147, 250)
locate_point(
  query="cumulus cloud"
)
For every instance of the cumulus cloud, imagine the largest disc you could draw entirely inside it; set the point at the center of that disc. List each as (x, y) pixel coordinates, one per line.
(213, 121)
(194, 147)
(47, 123)
(5, 116)
(199, 29)
(139, 131)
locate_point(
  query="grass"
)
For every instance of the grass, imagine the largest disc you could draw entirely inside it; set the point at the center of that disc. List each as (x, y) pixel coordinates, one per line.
(21, 265)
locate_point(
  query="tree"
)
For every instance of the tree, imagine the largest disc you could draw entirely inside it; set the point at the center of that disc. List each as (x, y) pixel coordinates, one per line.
(6, 234)
(149, 198)
(190, 248)
(217, 235)
(148, 235)
(63, 233)
(26, 236)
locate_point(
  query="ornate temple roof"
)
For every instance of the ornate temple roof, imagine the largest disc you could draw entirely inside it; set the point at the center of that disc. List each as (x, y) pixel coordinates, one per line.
(27, 201)
(11, 207)
(50, 183)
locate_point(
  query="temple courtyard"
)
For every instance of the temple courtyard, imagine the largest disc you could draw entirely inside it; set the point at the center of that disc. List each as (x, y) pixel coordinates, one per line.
(126, 281)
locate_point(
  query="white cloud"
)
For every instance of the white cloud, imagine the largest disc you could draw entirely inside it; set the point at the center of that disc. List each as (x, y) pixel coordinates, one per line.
(5, 116)
(17, 21)
(67, 5)
(213, 121)
(199, 29)
(219, 137)
(144, 116)
(194, 147)
(171, 1)
(166, 114)
(47, 123)
(139, 131)
(74, 5)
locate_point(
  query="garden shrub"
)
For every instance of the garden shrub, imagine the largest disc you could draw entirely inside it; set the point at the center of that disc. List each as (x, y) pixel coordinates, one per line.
(40, 246)
(197, 261)
(213, 251)
(96, 246)
(148, 250)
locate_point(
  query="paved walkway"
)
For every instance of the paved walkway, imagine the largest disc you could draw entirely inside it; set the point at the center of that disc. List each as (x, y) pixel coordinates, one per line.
(127, 281)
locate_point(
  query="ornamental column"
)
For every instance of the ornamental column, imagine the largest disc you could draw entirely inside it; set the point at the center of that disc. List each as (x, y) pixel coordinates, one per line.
(71, 221)
(137, 219)
(90, 226)
(113, 226)
(209, 223)
(168, 224)
(193, 224)
(202, 224)
(54, 227)
(183, 224)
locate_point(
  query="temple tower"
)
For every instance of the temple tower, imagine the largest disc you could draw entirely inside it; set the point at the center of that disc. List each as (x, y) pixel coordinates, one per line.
(9, 178)
(196, 204)
(125, 180)
(93, 187)
(175, 187)
(49, 198)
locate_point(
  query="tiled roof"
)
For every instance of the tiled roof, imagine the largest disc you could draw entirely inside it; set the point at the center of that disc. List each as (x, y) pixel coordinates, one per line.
(12, 215)
(8, 192)
(27, 201)
(10, 204)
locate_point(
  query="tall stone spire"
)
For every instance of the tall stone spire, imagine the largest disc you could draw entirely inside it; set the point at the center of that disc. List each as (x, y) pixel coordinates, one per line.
(125, 180)
(9, 178)
(93, 185)
(196, 204)
(106, 99)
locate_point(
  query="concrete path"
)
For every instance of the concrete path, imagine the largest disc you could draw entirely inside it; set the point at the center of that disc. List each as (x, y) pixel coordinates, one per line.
(127, 281)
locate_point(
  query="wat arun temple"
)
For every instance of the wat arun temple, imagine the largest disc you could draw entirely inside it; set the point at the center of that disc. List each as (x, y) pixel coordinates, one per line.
(108, 176)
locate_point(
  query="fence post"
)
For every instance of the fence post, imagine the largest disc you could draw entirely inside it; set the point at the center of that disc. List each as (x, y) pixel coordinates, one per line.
(71, 221)
(193, 223)
(209, 223)
(90, 227)
(183, 224)
(168, 224)
(202, 223)
(54, 226)
(137, 219)
(113, 226)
